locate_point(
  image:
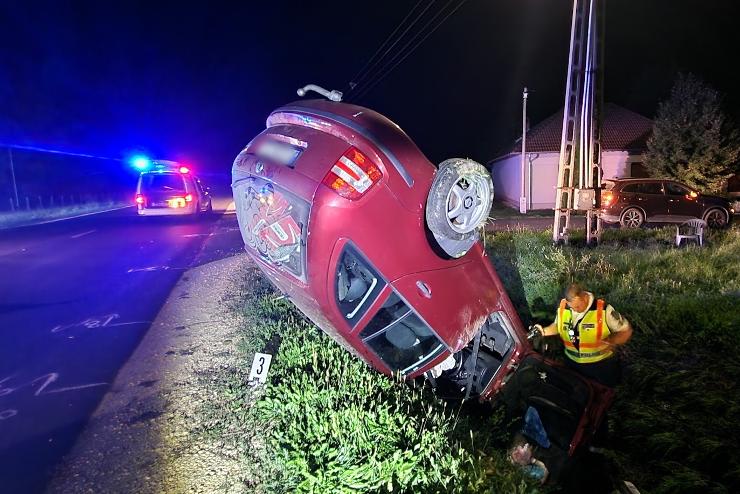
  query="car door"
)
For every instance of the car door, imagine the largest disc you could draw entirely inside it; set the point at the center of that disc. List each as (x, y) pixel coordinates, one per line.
(648, 196)
(682, 205)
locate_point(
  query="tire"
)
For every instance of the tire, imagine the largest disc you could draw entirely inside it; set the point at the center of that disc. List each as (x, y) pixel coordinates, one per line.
(458, 204)
(716, 218)
(632, 218)
(209, 209)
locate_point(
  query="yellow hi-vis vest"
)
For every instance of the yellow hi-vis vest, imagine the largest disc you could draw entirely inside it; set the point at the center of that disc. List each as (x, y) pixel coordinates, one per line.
(592, 329)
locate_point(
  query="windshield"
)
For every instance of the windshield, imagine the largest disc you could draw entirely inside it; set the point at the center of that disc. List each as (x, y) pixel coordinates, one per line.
(163, 181)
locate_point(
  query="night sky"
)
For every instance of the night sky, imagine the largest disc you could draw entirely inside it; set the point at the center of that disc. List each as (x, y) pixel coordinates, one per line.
(195, 82)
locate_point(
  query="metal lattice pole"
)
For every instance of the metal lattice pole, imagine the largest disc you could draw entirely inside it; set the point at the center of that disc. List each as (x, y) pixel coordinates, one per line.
(580, 152)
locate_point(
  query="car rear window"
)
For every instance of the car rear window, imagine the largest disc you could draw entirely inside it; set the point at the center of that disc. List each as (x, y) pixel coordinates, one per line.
(163, 181)
(400, 337)
(644, 188)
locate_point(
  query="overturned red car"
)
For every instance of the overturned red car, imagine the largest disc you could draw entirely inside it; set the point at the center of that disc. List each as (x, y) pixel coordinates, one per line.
(381, 249)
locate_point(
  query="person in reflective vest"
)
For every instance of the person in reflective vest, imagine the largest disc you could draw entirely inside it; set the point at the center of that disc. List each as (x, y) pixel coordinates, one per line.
(590, 330)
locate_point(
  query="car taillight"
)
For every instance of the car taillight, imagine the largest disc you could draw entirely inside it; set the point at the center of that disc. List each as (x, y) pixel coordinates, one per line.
(139, 199)
(189, 198)
(352, 175)
(608, 198)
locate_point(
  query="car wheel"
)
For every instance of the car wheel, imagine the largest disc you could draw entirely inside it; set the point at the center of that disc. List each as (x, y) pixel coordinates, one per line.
(458, 204)
(632, 218)
(716, 218)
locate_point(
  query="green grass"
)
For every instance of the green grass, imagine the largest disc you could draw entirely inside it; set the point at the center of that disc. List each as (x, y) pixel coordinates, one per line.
(327, 423)
(674, 423)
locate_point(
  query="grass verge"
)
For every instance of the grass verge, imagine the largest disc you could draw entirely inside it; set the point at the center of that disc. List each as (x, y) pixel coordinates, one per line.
(674, 423)
(327, 423)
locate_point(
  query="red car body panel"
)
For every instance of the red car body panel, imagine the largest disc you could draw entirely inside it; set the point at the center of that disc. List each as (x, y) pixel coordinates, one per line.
(299, 238)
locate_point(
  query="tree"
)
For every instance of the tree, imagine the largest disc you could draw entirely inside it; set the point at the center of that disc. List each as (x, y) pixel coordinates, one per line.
(692, 140)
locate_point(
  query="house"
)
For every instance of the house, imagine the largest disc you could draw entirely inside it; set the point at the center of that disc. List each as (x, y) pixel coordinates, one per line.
(623, 142)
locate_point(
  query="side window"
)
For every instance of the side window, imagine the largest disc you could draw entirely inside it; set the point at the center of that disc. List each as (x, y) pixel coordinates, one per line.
(675, 189)
(650, 188)
(631, 188)
(644, 188)
(400, 338)
(358, 284)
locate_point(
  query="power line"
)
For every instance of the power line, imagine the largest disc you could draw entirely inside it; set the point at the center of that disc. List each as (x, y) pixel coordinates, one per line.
(354, 80)
(379, 78)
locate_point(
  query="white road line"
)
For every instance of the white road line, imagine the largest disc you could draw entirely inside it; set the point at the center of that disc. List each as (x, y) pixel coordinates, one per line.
(73, 217)
(83, 234)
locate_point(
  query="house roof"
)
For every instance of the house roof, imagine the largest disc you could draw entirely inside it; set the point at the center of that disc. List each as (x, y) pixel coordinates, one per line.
(622, 130)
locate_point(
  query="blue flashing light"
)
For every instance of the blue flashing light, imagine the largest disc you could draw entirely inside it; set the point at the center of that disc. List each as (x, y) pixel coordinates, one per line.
(141, 162)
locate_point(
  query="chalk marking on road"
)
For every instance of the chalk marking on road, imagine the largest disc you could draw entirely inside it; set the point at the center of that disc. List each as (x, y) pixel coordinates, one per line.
(93, 322)
(90, 323)
(46, 380)
(83, 234)
(128, 323)
(53, 376)
(191, 235)
(149, 269)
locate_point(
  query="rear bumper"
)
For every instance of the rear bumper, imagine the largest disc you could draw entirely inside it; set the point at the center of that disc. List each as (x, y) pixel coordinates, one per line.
(609, 218)
(188, 210)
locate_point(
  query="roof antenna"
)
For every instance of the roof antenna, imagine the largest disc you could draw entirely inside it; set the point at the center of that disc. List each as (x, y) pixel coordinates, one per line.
(332, 95)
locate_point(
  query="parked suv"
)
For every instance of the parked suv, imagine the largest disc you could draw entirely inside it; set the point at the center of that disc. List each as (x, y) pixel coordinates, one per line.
(631, 202)
(380, 249)
(170, 188)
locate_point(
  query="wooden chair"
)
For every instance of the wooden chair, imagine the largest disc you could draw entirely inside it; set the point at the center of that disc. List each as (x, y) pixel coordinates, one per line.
(691, 230)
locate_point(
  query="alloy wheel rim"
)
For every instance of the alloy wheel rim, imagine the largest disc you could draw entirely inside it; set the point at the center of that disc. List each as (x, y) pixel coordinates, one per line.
(466, 203)
(715, 219)
(632, 219)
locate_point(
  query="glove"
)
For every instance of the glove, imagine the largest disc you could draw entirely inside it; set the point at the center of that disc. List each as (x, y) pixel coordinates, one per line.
(534, 331)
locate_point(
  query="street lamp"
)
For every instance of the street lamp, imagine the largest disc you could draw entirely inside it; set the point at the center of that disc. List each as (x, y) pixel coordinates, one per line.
(523, 194)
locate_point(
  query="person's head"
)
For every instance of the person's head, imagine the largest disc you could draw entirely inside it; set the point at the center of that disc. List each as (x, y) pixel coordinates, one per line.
(576, 297)
(521, 454)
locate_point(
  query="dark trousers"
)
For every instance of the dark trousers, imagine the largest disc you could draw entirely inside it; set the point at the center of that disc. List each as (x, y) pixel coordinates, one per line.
(606, 372)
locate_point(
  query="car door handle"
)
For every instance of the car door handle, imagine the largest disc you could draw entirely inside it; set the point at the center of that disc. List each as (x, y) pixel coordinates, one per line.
(423, 289)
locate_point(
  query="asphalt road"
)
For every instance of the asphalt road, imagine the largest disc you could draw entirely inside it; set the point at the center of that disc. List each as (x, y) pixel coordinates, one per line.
(76, 297)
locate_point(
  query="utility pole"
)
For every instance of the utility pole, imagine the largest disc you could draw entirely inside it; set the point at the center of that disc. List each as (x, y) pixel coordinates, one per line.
(12, 176)
(579, 168)
(523, 194)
